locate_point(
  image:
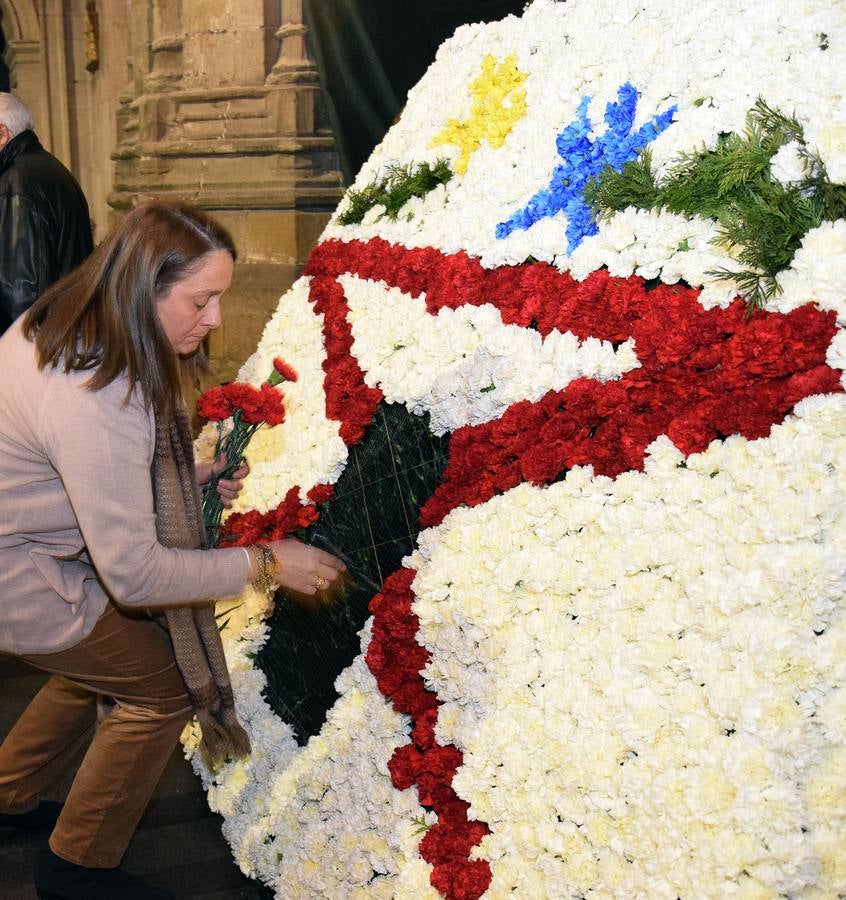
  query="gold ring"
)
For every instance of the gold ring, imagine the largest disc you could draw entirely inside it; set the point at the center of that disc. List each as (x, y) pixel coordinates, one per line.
(320, 582)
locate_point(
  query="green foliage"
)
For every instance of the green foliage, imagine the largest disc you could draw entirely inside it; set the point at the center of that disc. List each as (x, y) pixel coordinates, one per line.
(395, 190)
(421, 826)
(634, 186)
(761, 220)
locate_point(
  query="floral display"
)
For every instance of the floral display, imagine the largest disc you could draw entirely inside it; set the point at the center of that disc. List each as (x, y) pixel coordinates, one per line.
(614, 663)
(765, 188)
(391, 193)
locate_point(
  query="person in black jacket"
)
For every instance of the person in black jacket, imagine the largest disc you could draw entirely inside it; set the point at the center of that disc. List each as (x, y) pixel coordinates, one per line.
(45, 228)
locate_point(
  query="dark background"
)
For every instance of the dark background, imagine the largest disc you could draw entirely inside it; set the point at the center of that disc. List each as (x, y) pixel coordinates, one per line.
(4, 69)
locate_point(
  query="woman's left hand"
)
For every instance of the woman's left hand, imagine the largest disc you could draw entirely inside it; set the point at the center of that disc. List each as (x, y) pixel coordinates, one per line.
(228, 488)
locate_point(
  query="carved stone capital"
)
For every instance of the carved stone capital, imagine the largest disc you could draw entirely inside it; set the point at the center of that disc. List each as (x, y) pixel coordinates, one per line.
(294, 62)
(256, 147)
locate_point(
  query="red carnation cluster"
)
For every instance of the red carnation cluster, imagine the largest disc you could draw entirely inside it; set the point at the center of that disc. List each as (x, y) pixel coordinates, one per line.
(348, 399)
(705, 374)
(243, 529)
(320, 493)
(396, 659)
(256, 406)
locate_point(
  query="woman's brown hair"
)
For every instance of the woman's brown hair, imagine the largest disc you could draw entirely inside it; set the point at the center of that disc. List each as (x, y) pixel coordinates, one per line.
(102, 316)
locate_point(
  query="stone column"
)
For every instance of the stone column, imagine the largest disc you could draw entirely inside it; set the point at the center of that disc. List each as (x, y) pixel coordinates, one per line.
(27, 58)
(26, 65)
(165, 60)
(294, 62)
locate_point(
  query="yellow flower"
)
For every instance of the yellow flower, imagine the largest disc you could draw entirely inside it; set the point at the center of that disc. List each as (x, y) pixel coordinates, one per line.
(499, 101)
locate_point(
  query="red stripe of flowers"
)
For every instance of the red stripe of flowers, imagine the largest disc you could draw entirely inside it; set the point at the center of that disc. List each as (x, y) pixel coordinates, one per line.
(348, 399)
(395, 659)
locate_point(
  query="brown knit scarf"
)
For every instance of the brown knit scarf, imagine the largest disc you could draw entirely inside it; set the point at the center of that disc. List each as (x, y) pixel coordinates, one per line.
(193, 629)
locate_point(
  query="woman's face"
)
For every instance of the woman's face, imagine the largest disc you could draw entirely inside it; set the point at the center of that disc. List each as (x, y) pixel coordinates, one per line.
(191, 308)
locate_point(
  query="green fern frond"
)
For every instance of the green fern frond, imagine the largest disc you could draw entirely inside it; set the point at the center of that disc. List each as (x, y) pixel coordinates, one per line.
(395, 189)
(634, 186)
(421, 826)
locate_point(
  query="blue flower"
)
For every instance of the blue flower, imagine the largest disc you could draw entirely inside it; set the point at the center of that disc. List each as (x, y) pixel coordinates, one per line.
(583, 159)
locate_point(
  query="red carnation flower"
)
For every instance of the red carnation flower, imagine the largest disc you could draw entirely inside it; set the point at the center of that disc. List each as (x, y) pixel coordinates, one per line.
(320, 493)
(213, 405)
(283, 370)
(467, 880)
(403, 766)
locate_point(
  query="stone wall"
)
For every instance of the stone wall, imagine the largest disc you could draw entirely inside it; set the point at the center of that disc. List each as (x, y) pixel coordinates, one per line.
(215, 102)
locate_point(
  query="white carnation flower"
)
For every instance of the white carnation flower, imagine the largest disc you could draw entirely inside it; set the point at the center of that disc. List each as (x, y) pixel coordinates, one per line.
(788, 166)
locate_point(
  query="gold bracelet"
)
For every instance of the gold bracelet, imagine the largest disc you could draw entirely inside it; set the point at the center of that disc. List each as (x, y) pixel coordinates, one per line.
(266, 568)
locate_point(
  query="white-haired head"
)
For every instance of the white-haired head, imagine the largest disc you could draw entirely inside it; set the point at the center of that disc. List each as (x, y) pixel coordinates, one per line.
(14, 114)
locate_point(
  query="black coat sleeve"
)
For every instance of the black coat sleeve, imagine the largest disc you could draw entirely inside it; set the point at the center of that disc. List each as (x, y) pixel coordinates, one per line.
(27, 262)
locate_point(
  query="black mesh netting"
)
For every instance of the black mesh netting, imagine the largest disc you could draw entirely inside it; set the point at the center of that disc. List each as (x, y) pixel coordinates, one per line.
(372, 522)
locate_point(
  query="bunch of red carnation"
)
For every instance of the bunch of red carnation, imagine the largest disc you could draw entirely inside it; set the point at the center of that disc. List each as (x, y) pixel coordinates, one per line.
(243, 529)
(249, 408)
(254, 406)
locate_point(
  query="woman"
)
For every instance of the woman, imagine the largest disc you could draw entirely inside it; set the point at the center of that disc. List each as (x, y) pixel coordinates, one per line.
(100, 526)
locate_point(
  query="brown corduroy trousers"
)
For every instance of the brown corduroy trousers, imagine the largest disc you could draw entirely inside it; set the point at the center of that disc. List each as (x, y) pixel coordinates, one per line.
(130, 660)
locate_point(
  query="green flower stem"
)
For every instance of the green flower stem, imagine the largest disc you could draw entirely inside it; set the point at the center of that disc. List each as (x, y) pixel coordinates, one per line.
(233, 444)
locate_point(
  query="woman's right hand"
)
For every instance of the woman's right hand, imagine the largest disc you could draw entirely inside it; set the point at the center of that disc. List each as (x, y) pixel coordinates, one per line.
(305, 569)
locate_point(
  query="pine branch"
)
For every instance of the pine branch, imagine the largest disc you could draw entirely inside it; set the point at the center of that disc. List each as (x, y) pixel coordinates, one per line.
(394, 190)
(761, 220)
(634, 186)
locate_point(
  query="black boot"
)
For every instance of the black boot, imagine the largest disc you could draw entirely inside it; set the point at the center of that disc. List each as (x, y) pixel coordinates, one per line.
(57, 879)
(37, 821)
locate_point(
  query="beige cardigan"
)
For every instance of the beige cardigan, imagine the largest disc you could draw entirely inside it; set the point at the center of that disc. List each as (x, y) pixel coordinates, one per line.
(76, 509)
